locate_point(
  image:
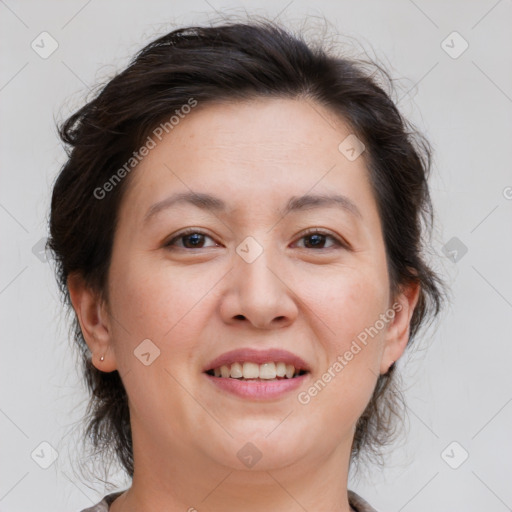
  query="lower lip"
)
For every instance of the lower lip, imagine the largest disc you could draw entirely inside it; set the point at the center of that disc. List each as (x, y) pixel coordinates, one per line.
(258, 389)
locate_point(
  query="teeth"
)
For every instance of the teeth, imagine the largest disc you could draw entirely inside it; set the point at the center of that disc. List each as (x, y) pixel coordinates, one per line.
(236, 371)
(266, 371)
(280, 369)
(248, 370)
(251, 371)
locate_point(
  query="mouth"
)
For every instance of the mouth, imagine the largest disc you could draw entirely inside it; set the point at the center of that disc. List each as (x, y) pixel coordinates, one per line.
(274, 380)
(270, 371)
(258, 375)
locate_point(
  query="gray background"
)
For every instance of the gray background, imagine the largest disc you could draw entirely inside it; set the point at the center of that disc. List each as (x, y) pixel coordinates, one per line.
(457, 388)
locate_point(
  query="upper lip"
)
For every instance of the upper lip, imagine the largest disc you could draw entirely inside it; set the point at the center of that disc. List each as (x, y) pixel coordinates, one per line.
(242, 355)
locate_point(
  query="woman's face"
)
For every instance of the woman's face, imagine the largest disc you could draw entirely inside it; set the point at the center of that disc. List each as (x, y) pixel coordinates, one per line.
(268, 264)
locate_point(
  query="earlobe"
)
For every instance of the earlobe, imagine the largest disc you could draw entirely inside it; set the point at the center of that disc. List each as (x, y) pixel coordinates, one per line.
(91, 313)
(397, 335)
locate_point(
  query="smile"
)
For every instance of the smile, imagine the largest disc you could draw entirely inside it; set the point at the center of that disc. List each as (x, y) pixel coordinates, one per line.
(269, 371)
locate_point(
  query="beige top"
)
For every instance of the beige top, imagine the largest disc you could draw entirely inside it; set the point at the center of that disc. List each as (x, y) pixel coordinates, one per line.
(356, 503)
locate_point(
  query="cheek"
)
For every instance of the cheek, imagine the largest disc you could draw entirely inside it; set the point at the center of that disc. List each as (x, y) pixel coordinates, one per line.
(348, 300)
(349, 304)
(151, 297)
(151, 301)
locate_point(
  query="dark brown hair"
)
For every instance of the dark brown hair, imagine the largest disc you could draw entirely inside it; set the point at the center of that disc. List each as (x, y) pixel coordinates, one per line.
(234, 62)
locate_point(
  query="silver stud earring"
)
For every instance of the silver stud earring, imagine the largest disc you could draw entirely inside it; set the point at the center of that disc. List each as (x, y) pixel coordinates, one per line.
(102, 358)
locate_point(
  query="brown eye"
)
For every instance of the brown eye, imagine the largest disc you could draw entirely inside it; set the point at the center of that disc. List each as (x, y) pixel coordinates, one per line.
(319, 239)
(315, 241)
(190, 240)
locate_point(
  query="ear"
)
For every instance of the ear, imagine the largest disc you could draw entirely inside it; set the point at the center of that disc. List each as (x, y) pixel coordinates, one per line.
(93, 317)
(397, 335)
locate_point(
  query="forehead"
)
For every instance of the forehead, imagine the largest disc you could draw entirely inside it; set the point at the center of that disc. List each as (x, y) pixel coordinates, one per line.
(263, 147)
(262, 127)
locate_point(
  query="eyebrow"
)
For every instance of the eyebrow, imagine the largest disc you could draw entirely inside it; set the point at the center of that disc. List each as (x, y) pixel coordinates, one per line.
(208, 202)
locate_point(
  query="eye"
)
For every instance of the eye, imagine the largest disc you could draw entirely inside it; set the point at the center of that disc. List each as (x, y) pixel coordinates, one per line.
(316, 239)
(190, 239)
(195, 239)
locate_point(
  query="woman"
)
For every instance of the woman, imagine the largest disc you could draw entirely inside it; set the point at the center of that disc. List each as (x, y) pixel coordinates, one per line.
(239, 231)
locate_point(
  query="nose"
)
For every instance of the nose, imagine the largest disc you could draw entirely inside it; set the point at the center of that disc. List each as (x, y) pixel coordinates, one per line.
(258, 294)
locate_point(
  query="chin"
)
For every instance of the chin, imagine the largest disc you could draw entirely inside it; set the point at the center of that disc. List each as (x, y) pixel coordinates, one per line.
(263, 450)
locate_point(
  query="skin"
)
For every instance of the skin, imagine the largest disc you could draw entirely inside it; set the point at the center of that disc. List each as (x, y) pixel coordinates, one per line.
(196, 303)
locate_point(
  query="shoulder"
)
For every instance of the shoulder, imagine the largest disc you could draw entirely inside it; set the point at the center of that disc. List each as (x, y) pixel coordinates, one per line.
(104, 504)
(358, 503)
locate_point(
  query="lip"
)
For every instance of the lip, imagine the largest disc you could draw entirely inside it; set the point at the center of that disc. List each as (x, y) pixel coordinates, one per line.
(259, 357)
(258, 390)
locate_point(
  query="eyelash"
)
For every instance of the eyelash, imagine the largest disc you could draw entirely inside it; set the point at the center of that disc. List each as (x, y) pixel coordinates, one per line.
(339, 243)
